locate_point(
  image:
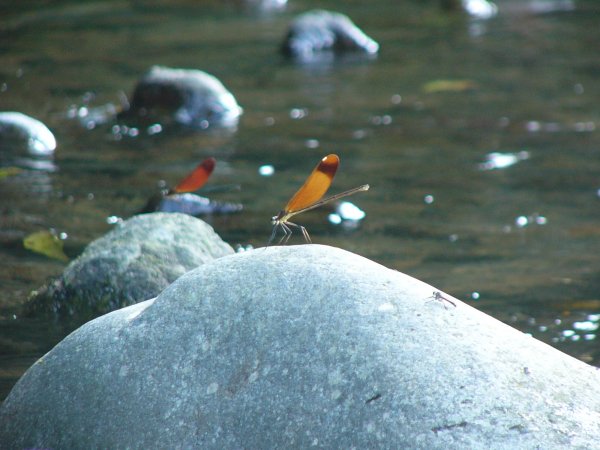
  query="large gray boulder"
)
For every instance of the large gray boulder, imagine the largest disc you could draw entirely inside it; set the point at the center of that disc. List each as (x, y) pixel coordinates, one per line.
(293, 347)
(133, 262)
(188, 97)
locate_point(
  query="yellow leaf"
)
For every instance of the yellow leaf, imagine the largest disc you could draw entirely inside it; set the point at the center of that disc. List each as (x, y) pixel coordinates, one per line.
(590, 305)
(448, 86)
(45, 243)
(9, 171)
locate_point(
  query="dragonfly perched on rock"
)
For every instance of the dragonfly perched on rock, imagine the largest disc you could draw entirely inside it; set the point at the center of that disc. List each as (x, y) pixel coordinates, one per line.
(309, 196)
(181, 198)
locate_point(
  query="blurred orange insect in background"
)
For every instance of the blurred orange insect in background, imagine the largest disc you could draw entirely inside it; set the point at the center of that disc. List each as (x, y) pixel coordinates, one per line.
(196, 179)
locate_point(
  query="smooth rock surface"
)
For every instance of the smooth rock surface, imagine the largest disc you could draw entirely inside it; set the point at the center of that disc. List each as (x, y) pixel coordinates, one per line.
(188, 97)
(293, 347)
(318, 30)
(19, 131)
(133, 262)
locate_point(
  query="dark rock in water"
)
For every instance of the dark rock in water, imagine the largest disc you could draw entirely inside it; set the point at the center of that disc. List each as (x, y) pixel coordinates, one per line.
(189, 203)
(319, 30)
(133, 262)
(18, 132)
(187, 97)
(298, 347)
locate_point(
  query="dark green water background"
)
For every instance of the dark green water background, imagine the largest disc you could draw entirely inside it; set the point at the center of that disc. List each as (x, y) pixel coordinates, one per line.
(534, 88)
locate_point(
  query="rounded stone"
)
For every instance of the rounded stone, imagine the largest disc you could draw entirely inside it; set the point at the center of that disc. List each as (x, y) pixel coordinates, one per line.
(319, 30)
(293, 347)
(188, 97)
(133, 262)
(18, 131)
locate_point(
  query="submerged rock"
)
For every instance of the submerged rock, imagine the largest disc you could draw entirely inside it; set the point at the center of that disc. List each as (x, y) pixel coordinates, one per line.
(189, 203)
(18, 131)
(485, 9)
(320, 30)
(480, 9)
(181, 198)
(131, 263)
(293, 347)
(264, 5)
(187, 97)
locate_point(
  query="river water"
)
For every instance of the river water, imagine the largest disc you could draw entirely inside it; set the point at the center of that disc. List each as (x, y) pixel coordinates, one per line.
(480, 140)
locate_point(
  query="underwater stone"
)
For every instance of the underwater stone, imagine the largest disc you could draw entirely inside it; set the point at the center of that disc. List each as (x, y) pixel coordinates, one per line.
(319, 30)
(187, 97)
(190, 203)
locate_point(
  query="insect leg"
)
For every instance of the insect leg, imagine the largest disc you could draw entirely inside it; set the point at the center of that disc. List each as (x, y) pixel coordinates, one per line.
(273, 234)
(286, 236)
(305, 234)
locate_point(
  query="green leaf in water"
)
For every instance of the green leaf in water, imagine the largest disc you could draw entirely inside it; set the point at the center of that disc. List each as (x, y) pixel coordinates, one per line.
(448, 86)
(46, 243)
(6, 172)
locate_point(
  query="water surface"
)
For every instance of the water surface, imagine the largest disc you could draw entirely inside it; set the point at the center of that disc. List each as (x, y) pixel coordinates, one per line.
(519, 242)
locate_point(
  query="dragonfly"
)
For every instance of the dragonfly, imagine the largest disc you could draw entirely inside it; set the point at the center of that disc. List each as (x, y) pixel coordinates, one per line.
(310, 196)
(438, 296)
(192, 182)
(196, 178)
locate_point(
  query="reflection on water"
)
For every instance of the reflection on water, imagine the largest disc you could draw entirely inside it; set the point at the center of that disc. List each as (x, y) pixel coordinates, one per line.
(486, 187)
(496, 160)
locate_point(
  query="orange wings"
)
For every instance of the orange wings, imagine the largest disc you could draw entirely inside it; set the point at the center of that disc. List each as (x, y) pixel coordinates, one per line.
(196, 179)
(316, 184)
(310, 196)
